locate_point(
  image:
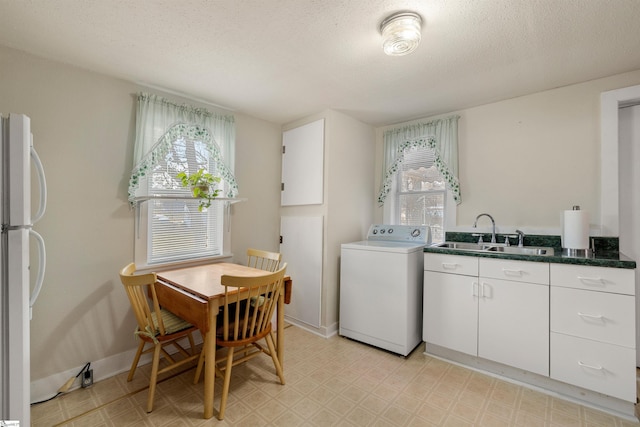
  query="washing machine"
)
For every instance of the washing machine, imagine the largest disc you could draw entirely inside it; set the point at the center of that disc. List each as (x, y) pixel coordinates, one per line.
(381, 287)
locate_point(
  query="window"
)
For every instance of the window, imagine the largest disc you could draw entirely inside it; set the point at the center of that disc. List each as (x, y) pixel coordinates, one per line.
(420, 197)
(177, 229)
(420, 175)
(173, 138)
(170, 228)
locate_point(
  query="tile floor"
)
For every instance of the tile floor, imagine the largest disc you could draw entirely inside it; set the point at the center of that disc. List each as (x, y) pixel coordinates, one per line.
(330, 382)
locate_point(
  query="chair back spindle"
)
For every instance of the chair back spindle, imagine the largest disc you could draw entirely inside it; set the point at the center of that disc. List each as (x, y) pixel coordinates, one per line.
(263, 260)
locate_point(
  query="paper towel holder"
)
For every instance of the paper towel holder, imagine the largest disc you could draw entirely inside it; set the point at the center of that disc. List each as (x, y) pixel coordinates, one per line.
(579, 253)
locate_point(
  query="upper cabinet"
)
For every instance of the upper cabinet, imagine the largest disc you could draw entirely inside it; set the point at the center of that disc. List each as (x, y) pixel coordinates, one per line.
(302, 165)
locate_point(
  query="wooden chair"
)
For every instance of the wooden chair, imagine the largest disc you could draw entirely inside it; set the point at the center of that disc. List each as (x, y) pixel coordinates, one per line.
(256, 258)
(156, 326)
(263, 260)
(241, 329)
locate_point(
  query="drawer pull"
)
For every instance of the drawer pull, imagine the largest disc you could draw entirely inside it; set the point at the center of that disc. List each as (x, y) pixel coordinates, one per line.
(508, 272)
(591, 316)
(449, 265)
(474, 289)
(591, 280)
(596, 368)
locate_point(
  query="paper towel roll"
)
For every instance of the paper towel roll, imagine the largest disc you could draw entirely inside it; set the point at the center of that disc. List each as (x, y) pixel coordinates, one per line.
(575, 230)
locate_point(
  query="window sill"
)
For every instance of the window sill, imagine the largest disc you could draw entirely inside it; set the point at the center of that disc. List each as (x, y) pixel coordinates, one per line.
(184, 264)
(140, 199)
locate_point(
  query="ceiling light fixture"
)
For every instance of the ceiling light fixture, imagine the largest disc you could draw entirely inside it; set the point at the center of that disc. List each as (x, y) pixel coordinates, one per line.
(401, 33)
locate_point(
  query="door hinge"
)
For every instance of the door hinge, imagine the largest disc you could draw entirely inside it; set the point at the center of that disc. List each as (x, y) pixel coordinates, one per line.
(283, 149)
(282, 186)
(280, 239)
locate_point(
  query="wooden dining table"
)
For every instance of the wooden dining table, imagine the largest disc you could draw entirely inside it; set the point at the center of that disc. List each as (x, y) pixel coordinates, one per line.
(196, 294)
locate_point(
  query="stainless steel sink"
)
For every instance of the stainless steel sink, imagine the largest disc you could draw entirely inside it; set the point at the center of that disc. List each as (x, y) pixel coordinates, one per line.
(496, 248)
(464, 246)
(526, 250)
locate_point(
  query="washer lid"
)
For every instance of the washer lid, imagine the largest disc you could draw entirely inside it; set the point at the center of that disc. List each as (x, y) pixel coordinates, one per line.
(384, 246)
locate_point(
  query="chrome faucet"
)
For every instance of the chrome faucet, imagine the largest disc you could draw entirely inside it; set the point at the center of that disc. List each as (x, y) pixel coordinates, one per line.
(493, 232)
(520, 238)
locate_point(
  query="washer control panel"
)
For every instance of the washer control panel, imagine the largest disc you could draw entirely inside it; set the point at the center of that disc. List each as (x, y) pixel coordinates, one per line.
(400, 233)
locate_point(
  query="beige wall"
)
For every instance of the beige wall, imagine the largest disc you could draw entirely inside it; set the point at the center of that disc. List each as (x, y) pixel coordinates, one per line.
(524, 160)
(83, 125)
(256, 222)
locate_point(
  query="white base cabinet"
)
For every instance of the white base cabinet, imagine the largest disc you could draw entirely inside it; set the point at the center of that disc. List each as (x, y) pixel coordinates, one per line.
(469, 308)
(450, 303)
(514, 313)
(514, 324)
(572, 325)
(450, 312)
(593, 329)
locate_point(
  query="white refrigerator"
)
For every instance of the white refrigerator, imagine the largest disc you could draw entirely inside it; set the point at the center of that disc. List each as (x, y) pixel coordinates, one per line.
(16, 297)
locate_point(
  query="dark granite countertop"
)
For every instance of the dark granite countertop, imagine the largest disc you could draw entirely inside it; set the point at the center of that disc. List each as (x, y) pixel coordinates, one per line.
(606, 250)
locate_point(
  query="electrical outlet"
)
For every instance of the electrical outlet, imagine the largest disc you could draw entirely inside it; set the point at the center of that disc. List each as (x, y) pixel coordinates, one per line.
(87, 378)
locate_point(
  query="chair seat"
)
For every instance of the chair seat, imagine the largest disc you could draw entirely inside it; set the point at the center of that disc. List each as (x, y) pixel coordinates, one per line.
(256, 301)
(172, 323)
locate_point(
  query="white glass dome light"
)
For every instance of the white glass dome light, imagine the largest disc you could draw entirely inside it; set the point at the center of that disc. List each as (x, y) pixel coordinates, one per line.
(401, 33)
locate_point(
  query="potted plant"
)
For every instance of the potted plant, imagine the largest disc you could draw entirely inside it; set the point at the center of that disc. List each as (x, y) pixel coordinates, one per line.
(203, 186)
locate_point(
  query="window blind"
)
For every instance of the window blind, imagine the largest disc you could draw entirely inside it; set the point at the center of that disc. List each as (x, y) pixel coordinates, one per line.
(178, 230)
(421, 191)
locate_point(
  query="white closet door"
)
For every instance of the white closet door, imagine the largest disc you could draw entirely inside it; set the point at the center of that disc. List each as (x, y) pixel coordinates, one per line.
(302, 165)
(301, 249)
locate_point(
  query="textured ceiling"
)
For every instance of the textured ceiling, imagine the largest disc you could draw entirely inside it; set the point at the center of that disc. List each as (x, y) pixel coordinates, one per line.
(281, 60)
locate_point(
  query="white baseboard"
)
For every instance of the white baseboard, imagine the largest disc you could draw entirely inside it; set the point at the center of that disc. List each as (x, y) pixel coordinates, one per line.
(47, 387)
(323, 331)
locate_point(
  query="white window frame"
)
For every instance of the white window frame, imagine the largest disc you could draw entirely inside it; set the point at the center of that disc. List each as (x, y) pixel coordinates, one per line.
(142, 241)
(143, 224)
(391, 210)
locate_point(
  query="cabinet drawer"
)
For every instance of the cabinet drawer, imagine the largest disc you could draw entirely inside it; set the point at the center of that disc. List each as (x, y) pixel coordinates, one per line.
(595, 315)
(617, 280)
(456, 264)
(519, 271)
(601, 367)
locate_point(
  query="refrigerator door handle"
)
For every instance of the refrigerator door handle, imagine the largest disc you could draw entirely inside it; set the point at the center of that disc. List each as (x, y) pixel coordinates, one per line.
(42, 258)
(43, 185)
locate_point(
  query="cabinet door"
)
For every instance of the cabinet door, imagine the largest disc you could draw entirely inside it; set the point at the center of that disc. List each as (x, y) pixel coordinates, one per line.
(513, 326)
(450, 311)
(302, 165)
(301, 249)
